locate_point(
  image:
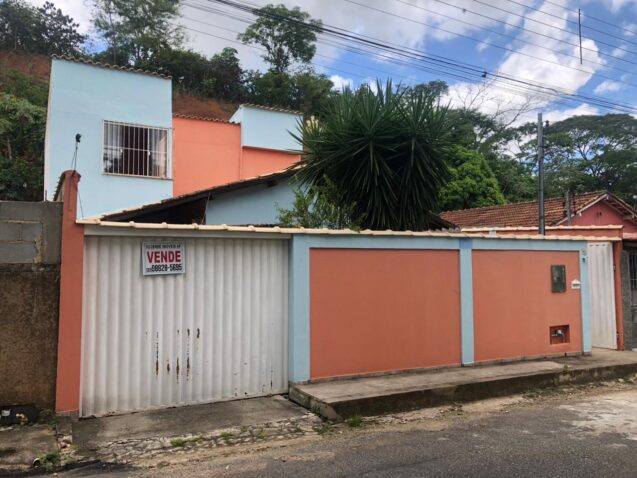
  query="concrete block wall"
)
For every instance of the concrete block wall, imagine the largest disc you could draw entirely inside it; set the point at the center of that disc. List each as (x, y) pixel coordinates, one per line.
(30, 237)
(30, 232)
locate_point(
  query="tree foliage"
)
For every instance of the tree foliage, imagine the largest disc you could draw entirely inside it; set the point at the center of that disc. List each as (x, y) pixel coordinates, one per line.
(472, 182)
(318, 207)
(136, 30)
(586, 153)
(21, 148)
(384, 152)
(46, 30)
(286, 35)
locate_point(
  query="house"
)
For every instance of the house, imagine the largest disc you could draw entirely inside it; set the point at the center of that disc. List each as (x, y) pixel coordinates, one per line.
(614, 266)
(115, 126)
(586, 209)
(159, 315)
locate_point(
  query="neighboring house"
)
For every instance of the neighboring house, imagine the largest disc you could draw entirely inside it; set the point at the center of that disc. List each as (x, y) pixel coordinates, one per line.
(588, 209)
(134, 151)
(614, 267)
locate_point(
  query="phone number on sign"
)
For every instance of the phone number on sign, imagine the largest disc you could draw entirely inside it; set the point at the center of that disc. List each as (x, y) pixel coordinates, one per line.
(165, 268)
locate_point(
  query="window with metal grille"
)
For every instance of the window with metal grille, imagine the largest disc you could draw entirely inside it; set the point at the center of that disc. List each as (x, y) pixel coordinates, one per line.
(135, 150)
(632, 271)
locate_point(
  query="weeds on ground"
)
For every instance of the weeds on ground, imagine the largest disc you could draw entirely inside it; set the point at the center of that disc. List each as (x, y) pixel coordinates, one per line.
(181, 441)
(354, 421)
(48, 460)
(324, 428)
(226, 435)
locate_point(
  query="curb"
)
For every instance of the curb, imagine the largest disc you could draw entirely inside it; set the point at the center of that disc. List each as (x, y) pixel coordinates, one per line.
(466, 392)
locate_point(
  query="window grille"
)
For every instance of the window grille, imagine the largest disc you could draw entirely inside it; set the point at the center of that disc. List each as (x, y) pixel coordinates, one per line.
(632, 271)
(135, 150)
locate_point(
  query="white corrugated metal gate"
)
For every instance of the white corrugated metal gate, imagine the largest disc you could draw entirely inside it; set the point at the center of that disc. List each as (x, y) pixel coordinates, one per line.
(602, 287)
(217, 332)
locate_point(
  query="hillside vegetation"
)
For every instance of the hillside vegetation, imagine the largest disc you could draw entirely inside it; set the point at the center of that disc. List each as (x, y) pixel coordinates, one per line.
(490, 158)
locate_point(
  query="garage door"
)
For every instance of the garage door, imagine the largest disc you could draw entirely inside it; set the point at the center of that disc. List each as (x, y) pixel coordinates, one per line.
(216, 332)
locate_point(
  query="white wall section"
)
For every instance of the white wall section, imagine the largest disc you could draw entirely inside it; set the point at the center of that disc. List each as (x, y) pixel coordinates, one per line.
(217, 332)
(602, 286)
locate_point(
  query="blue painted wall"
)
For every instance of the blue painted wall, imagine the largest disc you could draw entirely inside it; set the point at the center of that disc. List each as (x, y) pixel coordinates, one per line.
(253, 205)
(81, 97)
(262, 128)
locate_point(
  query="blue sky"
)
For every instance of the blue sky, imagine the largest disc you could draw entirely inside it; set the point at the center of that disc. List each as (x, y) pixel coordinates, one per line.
(531, 41)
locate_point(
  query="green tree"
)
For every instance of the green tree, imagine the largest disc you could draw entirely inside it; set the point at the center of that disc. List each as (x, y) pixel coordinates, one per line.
(45, 30)
(384, 152)
(59, 32)
(585, 153)
(318, 207)
(136, 30)
(472, 183)
(286, 35)
(226, 76)
(21, 148)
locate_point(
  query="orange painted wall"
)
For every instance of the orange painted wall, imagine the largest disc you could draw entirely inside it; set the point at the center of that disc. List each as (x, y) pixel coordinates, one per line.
(381, 310)
(209, 153)
(67, 388)
(205, 154)
(514, 306)
(257, 162)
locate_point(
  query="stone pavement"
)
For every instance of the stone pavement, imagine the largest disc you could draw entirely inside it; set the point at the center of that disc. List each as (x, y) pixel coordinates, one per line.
(149, 435)
(337, 399)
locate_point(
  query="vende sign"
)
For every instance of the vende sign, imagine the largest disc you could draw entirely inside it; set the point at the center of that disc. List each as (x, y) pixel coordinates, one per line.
(163, 258)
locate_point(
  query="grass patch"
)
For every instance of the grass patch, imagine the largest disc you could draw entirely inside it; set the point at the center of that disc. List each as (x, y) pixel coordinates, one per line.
(325, 428)
(226, 435)
(354, 421)
(181, 441)
(178, 442)
(48, 461)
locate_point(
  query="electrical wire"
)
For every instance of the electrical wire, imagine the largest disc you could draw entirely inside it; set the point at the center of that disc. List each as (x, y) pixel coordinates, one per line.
(511, 50)
(442, 62)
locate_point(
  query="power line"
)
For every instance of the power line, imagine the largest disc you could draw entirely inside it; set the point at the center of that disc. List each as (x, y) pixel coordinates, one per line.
(513, 25)
(511, 50)
(594, 18)
(475, 72)
(573, 22)
(515, 91)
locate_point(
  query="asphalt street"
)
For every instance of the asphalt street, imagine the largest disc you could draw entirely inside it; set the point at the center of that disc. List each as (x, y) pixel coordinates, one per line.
(587, 436)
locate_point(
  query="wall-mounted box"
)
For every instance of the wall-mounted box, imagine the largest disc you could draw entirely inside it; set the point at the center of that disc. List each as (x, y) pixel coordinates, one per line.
(560, 334)
(558, 278)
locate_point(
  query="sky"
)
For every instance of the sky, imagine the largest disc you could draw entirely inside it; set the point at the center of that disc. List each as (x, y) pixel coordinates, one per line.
(520, 45)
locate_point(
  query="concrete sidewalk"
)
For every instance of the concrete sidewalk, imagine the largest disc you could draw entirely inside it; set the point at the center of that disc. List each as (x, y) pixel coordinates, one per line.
(338, 399)
(142, 435)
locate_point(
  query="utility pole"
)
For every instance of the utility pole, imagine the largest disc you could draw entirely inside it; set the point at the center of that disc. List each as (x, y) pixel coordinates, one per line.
(540, 163)
(579, 23)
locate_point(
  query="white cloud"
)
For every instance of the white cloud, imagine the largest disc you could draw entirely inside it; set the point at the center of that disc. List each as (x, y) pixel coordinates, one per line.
(79, 10)
(554, 116)
(341, 83)
(558, 70)
(616, 5)
(608, 86)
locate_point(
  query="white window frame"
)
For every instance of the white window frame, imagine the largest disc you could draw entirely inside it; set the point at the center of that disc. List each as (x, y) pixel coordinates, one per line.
(169, 150)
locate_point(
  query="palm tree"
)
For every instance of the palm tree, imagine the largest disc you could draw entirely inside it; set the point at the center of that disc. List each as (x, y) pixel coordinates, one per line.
(384, 151)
